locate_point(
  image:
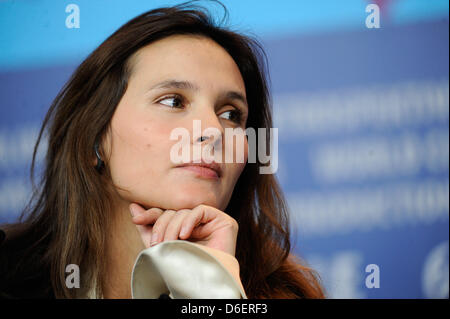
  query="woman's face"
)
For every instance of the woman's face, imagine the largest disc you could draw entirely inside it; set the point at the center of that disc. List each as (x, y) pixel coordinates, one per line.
(139, 142)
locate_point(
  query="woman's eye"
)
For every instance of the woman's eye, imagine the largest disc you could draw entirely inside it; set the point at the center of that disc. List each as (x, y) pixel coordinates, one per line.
(177, 101)
(233, 115)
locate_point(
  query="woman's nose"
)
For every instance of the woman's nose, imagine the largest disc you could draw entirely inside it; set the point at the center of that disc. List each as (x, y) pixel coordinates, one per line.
(207, 129)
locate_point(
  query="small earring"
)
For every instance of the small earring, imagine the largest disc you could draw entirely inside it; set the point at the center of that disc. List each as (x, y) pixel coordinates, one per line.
(100, 163)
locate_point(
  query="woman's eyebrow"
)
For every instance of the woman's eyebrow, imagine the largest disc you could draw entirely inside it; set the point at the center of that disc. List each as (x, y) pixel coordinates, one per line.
(175, 84)
(186, 85)
(233, 95)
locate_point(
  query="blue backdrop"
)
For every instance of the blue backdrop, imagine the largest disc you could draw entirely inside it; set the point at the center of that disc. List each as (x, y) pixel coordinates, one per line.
(363, 119)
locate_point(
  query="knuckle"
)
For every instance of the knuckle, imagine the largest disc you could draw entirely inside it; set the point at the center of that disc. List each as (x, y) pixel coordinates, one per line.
(167, 215)
(182, 212)
(155, 211)
(162, 221)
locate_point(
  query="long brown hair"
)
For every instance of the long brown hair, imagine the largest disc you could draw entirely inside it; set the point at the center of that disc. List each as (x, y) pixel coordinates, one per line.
(66, 220)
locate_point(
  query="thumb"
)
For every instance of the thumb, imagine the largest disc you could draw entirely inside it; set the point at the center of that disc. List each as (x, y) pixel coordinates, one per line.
(136, 209)
(145, 231)
(141, 216)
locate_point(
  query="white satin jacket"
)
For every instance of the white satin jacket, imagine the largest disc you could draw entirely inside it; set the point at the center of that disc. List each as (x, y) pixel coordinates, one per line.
(185, 270)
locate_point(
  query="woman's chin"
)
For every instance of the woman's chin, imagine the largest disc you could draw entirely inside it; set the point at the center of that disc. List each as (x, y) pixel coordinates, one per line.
(190, 198)
(180, 196)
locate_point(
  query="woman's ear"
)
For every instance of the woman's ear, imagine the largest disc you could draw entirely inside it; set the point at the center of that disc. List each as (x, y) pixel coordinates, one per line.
(100, 163)
(106, 144)
(102, 147)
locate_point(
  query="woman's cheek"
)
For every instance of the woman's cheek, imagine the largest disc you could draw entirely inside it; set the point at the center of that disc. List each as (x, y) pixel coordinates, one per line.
(236, 168)
(240, 166)
(131, 151)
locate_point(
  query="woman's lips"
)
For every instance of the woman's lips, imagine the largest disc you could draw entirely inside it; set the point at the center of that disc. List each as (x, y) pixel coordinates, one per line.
(201, 171)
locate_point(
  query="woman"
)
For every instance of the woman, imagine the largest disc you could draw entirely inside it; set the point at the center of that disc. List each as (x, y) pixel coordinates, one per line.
(110, 190)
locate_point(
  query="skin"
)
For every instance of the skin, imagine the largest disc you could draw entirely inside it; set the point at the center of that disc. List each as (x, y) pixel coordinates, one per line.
(157, 200)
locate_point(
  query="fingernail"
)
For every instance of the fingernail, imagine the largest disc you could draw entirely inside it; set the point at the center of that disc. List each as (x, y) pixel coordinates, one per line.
(183, 231)
(133, 211)
(154, 239)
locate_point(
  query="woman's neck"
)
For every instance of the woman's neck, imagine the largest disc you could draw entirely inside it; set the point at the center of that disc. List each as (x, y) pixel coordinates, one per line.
(123, 246)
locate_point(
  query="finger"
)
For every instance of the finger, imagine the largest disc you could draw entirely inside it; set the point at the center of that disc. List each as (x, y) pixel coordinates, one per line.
(199, 215)
(159, 228)
(173, 228)
(144, 217)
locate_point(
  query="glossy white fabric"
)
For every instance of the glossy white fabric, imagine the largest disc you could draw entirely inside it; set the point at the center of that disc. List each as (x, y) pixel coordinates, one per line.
(185, 270)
